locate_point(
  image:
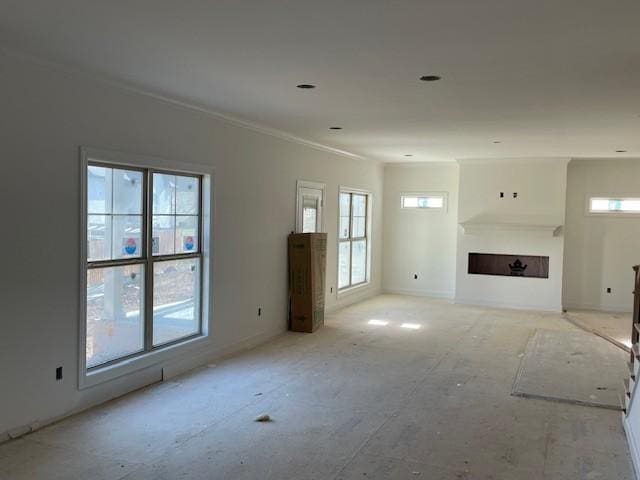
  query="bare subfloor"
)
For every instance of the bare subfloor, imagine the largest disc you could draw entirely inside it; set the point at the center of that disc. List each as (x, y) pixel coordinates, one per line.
(395, 387)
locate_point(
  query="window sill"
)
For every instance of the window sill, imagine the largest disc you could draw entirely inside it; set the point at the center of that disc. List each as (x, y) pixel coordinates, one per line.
(352, 290)
(135, 364)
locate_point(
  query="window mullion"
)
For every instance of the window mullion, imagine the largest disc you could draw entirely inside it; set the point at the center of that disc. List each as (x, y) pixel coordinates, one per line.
(350, 238)
(148, 271)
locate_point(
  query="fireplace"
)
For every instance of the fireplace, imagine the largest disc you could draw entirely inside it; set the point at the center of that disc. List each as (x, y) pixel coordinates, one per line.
(523, 266)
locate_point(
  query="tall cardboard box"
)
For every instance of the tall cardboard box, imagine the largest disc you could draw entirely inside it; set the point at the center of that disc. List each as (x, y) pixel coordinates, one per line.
(307, 270)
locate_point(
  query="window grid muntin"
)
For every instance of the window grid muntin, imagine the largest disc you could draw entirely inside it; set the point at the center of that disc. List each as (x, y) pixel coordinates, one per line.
(147, 259)
(350, 239)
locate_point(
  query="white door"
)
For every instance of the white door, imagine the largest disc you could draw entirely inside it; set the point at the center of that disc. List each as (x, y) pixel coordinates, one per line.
(310, 200)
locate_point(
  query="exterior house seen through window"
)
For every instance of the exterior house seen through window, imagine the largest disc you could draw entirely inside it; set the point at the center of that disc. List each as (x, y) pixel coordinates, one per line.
(144, 261)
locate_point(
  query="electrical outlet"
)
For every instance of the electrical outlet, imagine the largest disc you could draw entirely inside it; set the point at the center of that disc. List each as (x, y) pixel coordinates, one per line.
(501, 194)
(59, 373)
(259, 311)
(415, 276)
(515, 194)
(608, 289)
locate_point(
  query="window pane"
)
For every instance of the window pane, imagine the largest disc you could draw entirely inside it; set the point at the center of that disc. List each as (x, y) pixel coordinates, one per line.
(99, 189)
(186, 234)
(114, 319)
(164, 194)
(127, 192)
(309, 214)
(359, 205)
(410, 202)
(359, 262)
(358, 229)
(187, 195)
(127, 236)
(344, 227)
(344, 262)
(163, 236)
(98, 237)
(176, 310)
(345, 199)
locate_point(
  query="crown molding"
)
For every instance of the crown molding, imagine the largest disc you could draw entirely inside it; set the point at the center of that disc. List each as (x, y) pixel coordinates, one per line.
(521, 160)
(225, 117)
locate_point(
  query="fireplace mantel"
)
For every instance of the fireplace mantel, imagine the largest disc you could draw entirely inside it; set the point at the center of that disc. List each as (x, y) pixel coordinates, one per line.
(506, 223)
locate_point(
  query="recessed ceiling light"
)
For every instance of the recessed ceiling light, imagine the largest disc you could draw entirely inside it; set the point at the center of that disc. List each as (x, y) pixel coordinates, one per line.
(497, 141)
(621, 151)
(306, 86)
(335, 128)
(430, 78)
(408, 155)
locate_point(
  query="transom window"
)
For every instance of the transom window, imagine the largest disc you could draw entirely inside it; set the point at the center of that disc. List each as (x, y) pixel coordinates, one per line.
(144, 260)
(427, 201)
(614, 205)
(353, 239)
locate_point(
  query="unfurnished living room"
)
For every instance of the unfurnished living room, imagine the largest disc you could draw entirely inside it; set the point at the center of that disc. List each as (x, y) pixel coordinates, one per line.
(361, 239)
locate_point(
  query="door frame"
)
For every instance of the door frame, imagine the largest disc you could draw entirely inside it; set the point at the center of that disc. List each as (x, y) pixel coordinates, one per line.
(300, 184)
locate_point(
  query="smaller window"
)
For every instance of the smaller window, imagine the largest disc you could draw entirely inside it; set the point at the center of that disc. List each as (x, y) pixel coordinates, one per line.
(614, 205)
(431, 201)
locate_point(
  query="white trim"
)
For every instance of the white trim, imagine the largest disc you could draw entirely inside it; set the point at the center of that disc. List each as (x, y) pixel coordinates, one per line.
(520, 160)
(435, 163)
(507, 306)
(633, 444)
(300, 184)
(599, 307)
(238, 122)
(419, 293)
(140, 362)
(356, 296)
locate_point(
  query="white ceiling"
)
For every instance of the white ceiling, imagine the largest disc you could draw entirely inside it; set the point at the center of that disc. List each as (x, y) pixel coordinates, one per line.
(544, 77)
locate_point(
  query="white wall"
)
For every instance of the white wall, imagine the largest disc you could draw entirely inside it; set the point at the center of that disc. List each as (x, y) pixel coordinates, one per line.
(416, 241)
(541, 188)
(46, 114)
(600, 250)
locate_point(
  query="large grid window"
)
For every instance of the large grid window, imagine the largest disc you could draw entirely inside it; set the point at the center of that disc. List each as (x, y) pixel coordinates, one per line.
(144, 261)
(353, 239)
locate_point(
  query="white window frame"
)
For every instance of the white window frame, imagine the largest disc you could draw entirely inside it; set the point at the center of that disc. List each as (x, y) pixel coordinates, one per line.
(443, 209)
(300, 185)
(171, 351)
(610, 213)
(368, 225)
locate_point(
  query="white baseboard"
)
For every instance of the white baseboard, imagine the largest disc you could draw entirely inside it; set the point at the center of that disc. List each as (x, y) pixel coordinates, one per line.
(599, 307)
(633, 445)
(351, 298)
(418, 293)
(509, 306)
(169, 369)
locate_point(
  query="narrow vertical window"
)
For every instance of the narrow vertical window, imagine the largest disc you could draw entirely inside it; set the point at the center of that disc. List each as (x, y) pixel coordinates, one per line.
(353, 241)
(144, 260)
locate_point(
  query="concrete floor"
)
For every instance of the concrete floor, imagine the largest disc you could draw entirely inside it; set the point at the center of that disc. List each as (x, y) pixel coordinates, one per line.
(354, 400)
